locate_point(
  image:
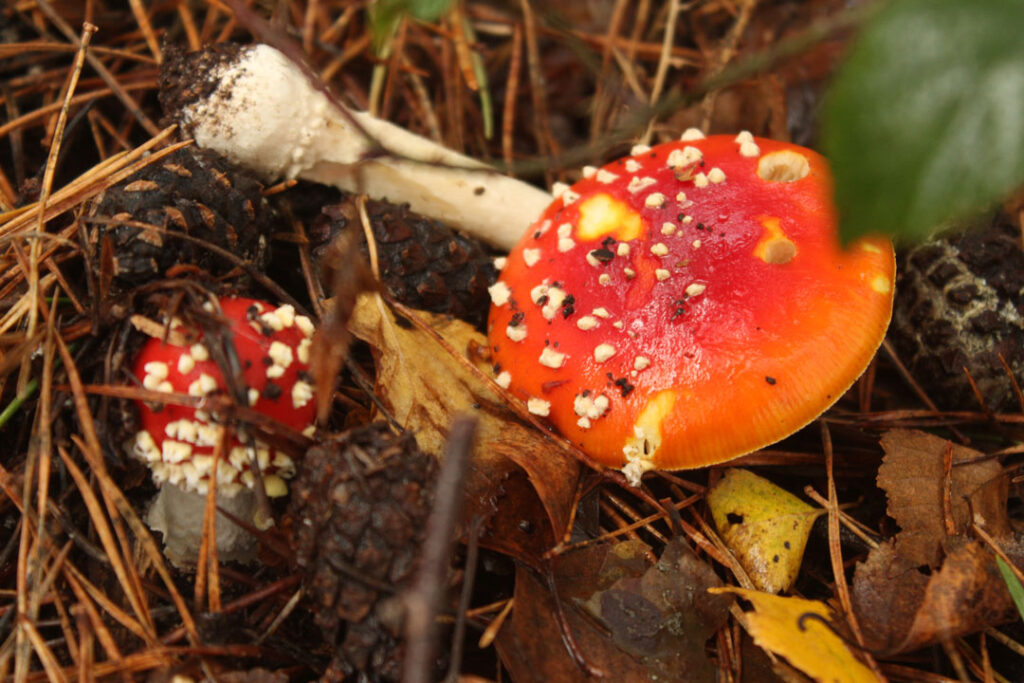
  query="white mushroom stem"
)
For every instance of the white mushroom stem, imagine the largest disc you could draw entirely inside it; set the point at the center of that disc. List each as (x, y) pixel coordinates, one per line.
(266, 116)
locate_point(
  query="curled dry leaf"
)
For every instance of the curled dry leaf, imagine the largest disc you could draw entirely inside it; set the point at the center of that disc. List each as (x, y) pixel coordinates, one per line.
(424, 385)
(913, 476)
(765, 526)
(901, 609)
(644, 622)
(793, 628)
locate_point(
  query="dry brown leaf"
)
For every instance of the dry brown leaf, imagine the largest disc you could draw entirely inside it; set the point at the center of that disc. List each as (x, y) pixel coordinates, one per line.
(653, 621)
(424, 386)
(531, 644)
(887, 591)
(912, 475)
(666, 615)
(901, 609)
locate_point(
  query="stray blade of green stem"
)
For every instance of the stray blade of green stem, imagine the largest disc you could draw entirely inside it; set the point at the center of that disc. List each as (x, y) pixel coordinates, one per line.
(1012, 584)
(15, 405)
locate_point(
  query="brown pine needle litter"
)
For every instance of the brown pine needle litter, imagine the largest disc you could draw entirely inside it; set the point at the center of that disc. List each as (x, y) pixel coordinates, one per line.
(535, 88)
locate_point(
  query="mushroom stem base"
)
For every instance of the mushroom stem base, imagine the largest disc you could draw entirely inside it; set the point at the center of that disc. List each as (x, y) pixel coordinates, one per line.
(178, 515)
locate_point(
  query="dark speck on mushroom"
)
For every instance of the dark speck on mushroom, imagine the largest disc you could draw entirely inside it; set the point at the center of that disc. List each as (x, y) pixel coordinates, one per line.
(272, 391)
(568, 306)
(479, 191)
(770, 380)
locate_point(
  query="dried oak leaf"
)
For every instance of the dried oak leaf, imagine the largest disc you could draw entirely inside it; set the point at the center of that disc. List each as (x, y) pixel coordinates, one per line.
(901, 609)
(645, 622)
(912, 474)
(425, 383)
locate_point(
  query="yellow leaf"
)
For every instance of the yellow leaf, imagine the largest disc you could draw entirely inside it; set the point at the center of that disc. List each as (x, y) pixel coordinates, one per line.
(764, 526)
(775, 624)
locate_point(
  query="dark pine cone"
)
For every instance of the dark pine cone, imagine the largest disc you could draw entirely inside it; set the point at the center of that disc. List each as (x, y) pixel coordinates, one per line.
(192, 191)
(360, 507)
(423, 263)
(959, 301)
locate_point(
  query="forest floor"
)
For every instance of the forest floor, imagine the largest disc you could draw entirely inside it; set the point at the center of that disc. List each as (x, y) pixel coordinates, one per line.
(893, 518)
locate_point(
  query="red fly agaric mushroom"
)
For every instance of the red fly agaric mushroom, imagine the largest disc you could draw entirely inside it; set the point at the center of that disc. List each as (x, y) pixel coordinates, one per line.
(689, 304)
(272, 346)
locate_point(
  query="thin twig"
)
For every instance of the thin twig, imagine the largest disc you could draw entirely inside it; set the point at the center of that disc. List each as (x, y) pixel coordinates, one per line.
(423, 600)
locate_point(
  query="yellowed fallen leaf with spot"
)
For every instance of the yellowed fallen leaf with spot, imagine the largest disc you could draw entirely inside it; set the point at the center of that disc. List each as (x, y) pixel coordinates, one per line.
(792, 628)
(764, 526)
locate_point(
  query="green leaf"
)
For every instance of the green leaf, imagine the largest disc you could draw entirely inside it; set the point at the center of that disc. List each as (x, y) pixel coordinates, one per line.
(924, 123)
(385, 15)
(1013, 584)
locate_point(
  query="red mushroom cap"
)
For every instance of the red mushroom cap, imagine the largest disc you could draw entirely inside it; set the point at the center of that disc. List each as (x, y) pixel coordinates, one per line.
(272, 344)
(689, 304)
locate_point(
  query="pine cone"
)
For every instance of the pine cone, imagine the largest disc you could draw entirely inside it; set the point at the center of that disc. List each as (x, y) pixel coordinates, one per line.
(959, 301)
(423, 263)
(360, 507)
(191, 191)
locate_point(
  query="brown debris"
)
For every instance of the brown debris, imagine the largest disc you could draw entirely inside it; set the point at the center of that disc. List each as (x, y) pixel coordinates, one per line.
(902, 609)
(912, 474)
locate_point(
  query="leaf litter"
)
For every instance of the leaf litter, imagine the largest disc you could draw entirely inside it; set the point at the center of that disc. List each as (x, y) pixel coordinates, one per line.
(577, 574)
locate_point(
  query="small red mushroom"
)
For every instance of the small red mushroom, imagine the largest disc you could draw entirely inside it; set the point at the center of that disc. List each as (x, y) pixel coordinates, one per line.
(272, 345)
(689, 303)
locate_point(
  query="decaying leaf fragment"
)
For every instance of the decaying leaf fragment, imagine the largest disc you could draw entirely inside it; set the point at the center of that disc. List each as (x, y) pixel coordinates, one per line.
(933, 489)
(913, 476)
(665, 614)
(765, 526)
(901, 609)
(424, 385)
(643, 622)
(793, 628)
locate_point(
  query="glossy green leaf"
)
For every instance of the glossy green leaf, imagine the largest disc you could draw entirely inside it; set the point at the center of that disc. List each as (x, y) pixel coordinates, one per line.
(924, 123)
